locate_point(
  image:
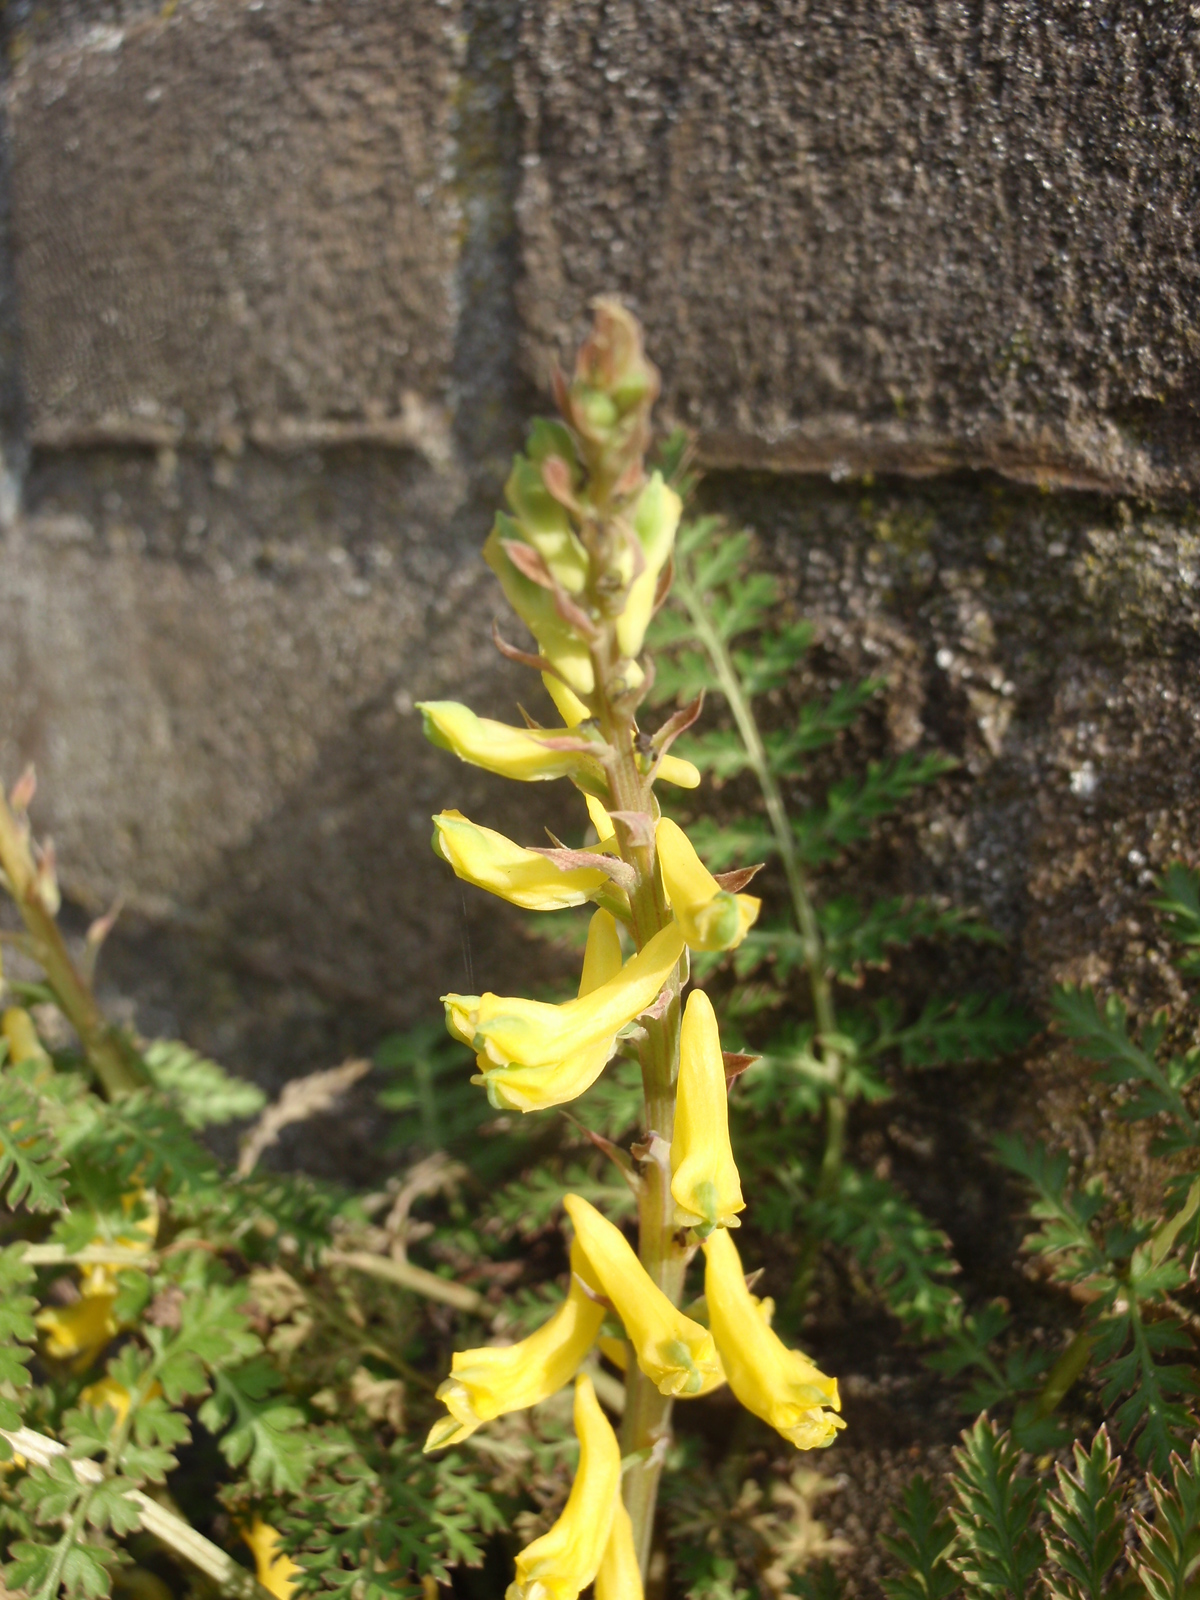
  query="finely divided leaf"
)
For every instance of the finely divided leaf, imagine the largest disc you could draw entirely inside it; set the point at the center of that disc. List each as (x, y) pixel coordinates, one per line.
(921, 1546)
(1089, 1525)
(204, 1094)
(998, 1549)
(30, 1166)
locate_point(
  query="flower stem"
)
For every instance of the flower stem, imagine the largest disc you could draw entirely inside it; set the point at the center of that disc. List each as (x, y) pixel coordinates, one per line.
(646, 1418)
(110, 1057)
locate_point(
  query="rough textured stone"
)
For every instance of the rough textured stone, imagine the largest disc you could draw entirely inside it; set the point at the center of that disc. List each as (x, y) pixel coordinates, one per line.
(236, 220)
(896, 238)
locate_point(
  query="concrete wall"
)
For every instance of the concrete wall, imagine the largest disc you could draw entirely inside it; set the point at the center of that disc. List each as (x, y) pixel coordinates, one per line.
(280, 281)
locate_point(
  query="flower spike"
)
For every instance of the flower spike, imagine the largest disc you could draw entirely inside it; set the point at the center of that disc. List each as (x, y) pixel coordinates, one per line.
(711, 917)
(779, 1385)
(496, 1379)
(532, 1054)
(704, 1179)
(677, 1353)
(564, 1561)
(522, 877)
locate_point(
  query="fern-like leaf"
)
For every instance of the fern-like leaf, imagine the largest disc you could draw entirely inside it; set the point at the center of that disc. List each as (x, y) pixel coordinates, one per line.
(904, 1255)
(204, 1094)
(998, 1550)
(1170, 1555)
(1089, 1532)
(921, 1546)
(30, 1165)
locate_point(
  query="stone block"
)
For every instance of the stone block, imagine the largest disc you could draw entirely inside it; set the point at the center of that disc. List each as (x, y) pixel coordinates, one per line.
(911, 237)
(234, 218)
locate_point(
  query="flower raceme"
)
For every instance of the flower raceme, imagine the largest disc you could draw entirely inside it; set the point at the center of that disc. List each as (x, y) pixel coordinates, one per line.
(779, 1385)
(566, 1559)
(532, 1054)
(711, 917)
(522, 877)
(492, 1381)
(704, 1178)
(672, 1350)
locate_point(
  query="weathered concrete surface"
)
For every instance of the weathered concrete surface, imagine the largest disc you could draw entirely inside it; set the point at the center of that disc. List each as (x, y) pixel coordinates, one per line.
(890, 238)
(235, 220)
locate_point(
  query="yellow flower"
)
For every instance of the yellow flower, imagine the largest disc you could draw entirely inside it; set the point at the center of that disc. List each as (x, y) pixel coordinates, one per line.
(497, 1379)
(564, 1561)
(522, 877)
(675, 1352)
(80, 1330)
(526, 754)
(704, 1178)
(274, 1572)
(532, 1054)
(108, 1392)
(779, 1385)
(711, 917)
(655, 519)
(619, 1577)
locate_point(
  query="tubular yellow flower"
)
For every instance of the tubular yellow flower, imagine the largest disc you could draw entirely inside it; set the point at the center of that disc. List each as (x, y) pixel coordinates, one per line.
(497, 1379)
(779, 1385)
(672, 1350)
(522, 877)
(711, 917)
(564, 1561)
(619, 1577)
(704, 1178)
(520, 753)
(532, 1054)
(274, 1572)
(655, 519)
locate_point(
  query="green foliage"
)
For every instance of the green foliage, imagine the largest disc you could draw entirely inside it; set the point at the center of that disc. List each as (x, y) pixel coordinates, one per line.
(907, 1259)
(997, 1551)
(204, 1094)
(1170, 1556)
(30, 1166)
(1088, 1536)
(921, 1547)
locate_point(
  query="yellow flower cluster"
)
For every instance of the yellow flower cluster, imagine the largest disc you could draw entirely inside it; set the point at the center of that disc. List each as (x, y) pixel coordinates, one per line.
(586, 586)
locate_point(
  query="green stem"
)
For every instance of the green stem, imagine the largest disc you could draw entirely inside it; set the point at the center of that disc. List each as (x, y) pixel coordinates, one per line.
(111, 1058)
(647, 1414)
(70, 1538)
(803, 908)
